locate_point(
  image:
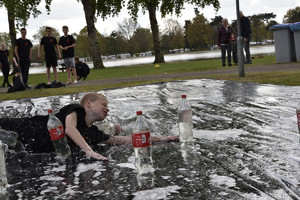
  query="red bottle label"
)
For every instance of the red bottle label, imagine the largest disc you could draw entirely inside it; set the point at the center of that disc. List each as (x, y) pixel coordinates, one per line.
(57, 133)
(141, 139)
(298, 119)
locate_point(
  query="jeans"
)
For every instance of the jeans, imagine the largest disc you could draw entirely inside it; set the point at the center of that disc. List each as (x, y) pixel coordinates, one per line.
(224, 48)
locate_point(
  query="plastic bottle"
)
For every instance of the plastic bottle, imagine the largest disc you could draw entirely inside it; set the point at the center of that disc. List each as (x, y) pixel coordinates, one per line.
(185, 121)
(3, 179)
(58, 136)
(141, 143)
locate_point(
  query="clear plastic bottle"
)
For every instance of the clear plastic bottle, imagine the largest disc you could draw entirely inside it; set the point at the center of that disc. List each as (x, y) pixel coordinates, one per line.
(185, 120)
(3, 179)
(58, 136)
(141, 143)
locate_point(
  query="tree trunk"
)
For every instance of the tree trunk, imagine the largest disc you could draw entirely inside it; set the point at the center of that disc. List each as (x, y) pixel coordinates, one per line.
(12, 29)
(159, 57)
(89, 12)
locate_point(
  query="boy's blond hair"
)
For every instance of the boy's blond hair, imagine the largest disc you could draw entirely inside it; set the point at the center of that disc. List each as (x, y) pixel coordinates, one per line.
(92, 97)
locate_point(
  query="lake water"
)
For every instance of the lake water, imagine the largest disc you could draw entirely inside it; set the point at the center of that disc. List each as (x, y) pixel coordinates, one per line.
(255, 50)
(246, 146)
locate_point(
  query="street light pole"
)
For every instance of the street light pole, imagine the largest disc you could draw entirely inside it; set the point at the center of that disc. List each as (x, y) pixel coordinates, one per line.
(240, 42)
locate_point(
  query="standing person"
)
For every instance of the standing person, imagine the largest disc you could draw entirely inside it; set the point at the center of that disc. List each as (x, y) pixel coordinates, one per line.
(23, 51)
(223, 39)
(49, 42)
(246, 33)
(4, 64)
(67, 44)
(233, 42)
(78, 122)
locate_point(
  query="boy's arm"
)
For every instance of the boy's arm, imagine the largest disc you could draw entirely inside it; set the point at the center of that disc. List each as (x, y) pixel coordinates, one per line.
(16, 52)
(74, 134)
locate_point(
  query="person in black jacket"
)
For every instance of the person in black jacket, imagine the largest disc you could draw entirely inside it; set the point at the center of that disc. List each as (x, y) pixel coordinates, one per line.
(246, 33)
(224, 35)
(4, 64)
(77, 120)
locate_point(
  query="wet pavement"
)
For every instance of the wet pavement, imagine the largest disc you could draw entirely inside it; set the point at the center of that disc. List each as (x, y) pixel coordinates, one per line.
(246, 146)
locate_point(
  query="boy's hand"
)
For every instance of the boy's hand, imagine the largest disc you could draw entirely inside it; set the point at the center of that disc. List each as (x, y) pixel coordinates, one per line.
(95, 155)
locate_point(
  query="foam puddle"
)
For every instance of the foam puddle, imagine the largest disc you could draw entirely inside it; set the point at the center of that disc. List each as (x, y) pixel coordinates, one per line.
(246, 146)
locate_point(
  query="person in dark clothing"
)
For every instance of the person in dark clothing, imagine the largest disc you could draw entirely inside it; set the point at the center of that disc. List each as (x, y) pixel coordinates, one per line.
(82, 69)
(50, 44)
(4, 64)
(23, 51)
(223, 39)
(246, 33)
(233, 43)
(78, 123)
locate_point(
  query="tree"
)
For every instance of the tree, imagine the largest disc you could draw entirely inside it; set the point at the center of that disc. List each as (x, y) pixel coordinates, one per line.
(143, 38)
(4, 38)
(127, 28)
(19, 11)
(216, 23)
(173, 34)
(258, 25)
(115, 43)
(165, 7)
(199, 33)
(292, 15)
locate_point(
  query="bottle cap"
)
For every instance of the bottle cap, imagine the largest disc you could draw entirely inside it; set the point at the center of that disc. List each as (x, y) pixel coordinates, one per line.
(50, 111)
(139, 112)
(183, 96)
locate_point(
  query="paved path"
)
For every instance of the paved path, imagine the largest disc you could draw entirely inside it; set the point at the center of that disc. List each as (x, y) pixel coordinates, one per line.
(248, 69)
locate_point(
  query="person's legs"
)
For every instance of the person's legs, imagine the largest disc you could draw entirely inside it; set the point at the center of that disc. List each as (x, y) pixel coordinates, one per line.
(74, 74)
(6, 74)
(55, 73)
(48, 75)
(25, 71)
(228, 48)
(247, 51)
(69, 75)
(223, 52)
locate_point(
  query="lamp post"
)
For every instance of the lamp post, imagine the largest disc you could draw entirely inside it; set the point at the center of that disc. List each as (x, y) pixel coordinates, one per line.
(239, 42)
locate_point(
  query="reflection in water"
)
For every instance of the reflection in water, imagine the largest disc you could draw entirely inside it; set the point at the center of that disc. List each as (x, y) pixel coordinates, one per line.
(246, 146)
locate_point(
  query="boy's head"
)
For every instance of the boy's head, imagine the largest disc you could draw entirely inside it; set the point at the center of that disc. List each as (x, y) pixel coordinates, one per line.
(95, 105)
(48, 31)
(23, 32)
(92, 97)
(76, 59)
(65, 29)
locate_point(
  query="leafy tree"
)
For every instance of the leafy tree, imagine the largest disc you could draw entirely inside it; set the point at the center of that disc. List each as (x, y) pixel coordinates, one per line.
(165, 7)
(216, 23)
(267, 29)
(258, 25)
(4, 38)
(127, 28)
(292, 15)
(115, 43)
(143, 38)
(92, 10)
(173, 33)
(19, 11)
(199, 33)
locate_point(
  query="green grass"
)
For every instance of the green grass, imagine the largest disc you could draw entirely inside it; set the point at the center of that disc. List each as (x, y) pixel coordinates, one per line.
(282, 78)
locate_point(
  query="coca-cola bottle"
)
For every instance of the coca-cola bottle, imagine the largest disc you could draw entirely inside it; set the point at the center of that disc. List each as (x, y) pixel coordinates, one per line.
(185, 120)
(141, 143)
(58, 136)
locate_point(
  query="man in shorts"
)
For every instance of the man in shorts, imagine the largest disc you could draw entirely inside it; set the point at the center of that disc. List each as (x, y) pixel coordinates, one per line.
(49, 42)
(67, 44)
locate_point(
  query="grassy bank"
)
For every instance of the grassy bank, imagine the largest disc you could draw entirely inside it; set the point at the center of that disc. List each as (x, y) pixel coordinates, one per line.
(283, 78)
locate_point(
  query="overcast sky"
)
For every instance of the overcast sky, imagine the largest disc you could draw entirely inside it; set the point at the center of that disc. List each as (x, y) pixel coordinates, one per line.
(70, 12)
